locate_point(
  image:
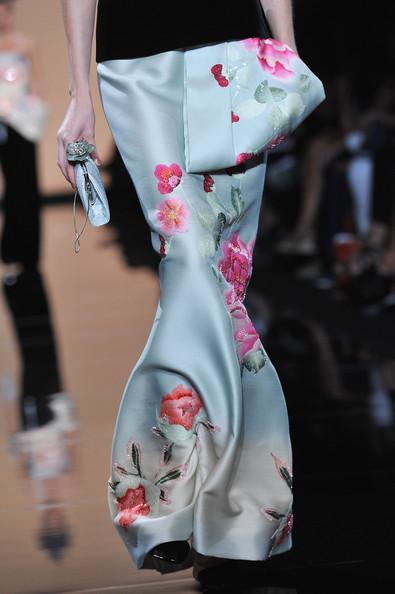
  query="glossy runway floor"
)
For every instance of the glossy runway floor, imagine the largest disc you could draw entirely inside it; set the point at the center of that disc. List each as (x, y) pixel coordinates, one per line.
(56, 535)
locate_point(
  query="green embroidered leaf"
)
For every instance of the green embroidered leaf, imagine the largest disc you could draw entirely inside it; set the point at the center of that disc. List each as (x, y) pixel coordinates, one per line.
(206, 218)
(209, 425)
(113, 484)
(274, 514)
(255, 361)
(218, 228)
(158, 432)
(218, 274)
(136, 457)
(232, 70)
(213, 201)
(304, 82)
(215, 272)
(286, 476)
(120, 469)
(250, 108)
(170, 476)
(163, 496)
(283, 470)
(293, 105)
(262, 94)
(207, 245)
(167, 453)
(278, 94)
(237, 201)
(277, 117)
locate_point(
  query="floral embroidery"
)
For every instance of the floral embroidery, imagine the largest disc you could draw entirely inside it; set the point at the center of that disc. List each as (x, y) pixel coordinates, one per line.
(164, 246)
(236, 263)
(242, 157)
(169, 177)
(172, 214)
(250, 350)
(218, 75)
(247, 340)
(273, 56)
(181, 413)
(132, 505)
(208, 183)
(180, 406)
(285, 520)
(133, 494)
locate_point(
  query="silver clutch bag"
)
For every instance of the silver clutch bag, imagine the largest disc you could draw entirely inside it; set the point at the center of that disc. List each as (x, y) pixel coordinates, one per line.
(89, 187)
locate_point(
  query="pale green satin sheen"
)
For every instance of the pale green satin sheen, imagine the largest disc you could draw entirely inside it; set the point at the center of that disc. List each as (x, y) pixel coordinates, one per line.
(229, 473)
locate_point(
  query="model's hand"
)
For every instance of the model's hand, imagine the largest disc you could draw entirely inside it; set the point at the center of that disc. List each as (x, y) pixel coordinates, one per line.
(78, 124)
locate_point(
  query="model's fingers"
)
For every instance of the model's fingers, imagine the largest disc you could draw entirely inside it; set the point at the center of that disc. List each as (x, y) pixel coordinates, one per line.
(65, 167)
(95, 154)
(71, 174)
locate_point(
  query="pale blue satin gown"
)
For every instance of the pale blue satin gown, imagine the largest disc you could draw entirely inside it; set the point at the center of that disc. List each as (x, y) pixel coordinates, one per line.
(201, 448)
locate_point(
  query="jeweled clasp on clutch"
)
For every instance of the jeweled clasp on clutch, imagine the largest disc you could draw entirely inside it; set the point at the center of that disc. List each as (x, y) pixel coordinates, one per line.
(79, 150)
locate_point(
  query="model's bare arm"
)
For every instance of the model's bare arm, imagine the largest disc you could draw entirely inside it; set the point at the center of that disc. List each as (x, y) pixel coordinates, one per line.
(79, 121)
(280, 18)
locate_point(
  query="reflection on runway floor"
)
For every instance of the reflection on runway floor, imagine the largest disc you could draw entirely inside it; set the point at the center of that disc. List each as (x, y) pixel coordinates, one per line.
(56, 534)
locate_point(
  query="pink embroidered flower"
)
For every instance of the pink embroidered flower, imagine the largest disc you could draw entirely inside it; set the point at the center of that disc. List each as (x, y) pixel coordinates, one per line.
(172, 215)
(234, 117)
(242, 157)
(234, 305)
(219, 77)
(208, 183)
(169, 177)
(273, 55)
(132, 505)
(247, 338)
(236, 263)
(181, 406)
(249, 346)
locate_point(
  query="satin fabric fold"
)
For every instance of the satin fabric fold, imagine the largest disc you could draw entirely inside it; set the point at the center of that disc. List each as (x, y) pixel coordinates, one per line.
(201, 447)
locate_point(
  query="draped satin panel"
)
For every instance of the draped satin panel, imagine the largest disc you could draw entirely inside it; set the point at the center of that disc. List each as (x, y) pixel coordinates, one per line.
(201, 447)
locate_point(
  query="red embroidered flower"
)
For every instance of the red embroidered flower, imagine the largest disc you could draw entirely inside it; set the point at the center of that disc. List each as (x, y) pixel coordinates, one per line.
(132, 505)
(236, 263)
(242, 157)
(208, 183)
(162, 250)
(169, 177)
(181, 406)
(235, 117)
(219, 77)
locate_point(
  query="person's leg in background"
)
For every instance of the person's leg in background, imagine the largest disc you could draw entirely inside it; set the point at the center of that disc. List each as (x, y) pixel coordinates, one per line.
(22, 283)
